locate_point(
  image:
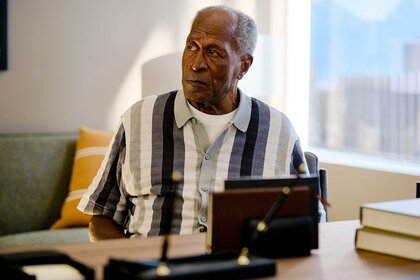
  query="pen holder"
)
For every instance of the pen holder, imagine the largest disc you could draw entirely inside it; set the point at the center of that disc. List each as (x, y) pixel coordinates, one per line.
(212, 266)
(285, 237)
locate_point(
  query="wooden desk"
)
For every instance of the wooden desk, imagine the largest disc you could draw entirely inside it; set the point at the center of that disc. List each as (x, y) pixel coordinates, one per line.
(335, 259)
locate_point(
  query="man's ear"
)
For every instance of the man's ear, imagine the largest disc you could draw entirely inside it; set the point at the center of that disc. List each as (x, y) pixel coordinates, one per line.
(246, 62)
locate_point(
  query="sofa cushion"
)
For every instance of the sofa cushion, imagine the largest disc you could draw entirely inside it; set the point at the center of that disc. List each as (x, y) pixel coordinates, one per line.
(34, 179)
(44, 237)
(90, 151)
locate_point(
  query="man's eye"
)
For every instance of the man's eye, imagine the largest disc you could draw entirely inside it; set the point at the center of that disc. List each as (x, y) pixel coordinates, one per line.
(212, 52)
(192, 47)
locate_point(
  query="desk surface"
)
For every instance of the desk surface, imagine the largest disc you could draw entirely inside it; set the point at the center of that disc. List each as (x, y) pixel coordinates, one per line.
(335, 259)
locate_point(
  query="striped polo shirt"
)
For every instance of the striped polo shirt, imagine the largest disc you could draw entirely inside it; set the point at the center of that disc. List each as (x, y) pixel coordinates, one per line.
(158, 135)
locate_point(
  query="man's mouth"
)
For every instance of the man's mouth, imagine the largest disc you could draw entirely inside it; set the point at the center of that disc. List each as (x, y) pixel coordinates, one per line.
(196, 83)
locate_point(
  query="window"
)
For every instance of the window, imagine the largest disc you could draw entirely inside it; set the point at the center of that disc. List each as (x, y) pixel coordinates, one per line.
(365, 77)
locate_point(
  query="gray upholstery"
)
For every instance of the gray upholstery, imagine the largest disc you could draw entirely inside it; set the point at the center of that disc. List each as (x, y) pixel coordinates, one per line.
(43, 237)
(35, 172)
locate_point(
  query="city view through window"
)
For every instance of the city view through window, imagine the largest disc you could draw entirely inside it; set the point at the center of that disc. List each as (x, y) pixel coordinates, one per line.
(365, 77)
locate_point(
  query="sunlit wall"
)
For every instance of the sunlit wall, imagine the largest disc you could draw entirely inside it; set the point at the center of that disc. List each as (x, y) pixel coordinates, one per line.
(74, 63)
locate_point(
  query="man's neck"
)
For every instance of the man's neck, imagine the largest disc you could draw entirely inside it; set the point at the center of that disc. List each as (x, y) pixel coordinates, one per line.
(225, 106)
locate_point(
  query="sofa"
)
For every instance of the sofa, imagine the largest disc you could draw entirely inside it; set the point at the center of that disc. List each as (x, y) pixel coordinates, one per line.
(35, 175)
(38, 175)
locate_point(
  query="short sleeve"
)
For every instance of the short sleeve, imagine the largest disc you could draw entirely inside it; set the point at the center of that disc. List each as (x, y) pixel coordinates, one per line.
(105, 195)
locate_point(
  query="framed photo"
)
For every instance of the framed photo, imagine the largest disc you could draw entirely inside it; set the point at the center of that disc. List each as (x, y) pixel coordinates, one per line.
(3, 34)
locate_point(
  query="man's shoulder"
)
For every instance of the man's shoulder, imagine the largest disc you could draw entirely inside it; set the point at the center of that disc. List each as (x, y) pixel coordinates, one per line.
(149, 102)
(274, 112)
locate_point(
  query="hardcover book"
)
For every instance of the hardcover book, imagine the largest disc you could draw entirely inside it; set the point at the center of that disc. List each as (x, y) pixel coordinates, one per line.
(400, 216)
(389, 243)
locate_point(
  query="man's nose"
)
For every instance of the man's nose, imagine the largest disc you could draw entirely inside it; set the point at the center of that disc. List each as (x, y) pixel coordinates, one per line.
(198, 62)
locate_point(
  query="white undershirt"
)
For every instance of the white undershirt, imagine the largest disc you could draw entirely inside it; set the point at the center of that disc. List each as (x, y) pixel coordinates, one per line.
(214, 124)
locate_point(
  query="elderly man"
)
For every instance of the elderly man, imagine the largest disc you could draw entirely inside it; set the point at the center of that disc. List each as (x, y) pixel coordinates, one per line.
(208, 132)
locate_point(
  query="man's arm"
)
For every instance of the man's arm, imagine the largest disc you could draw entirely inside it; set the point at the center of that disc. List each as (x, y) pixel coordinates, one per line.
(298, 163)
(103, 227)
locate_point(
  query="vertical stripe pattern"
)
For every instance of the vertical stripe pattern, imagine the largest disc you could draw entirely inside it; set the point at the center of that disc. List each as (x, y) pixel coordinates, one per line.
(158, 135)
(250, 141)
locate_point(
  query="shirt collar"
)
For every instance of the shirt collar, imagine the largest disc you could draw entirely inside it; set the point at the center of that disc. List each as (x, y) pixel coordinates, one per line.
(240, 120)
(182, 113)
(243, 116)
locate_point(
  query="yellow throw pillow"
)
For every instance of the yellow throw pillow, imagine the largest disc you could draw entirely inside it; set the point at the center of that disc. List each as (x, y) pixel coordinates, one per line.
(90, 151)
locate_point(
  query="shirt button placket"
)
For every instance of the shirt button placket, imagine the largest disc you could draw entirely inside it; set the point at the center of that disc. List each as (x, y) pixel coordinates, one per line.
(204, 186)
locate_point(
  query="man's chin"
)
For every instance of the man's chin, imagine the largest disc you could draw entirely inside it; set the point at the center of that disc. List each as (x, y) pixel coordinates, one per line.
(195, 93)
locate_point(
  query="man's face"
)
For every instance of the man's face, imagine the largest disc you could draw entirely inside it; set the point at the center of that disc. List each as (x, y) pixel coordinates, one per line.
(211, 65)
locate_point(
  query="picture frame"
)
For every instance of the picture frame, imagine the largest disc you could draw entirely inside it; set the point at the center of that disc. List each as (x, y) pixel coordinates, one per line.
(3, 35)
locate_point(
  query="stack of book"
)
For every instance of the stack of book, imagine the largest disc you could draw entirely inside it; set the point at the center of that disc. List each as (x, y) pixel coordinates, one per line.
(391, 227)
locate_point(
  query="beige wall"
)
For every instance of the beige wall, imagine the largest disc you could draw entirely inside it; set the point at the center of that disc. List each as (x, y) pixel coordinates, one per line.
(349, 187)
(78, 62)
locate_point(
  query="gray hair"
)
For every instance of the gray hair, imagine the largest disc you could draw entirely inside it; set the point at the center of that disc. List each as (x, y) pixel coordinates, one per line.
(246, 30)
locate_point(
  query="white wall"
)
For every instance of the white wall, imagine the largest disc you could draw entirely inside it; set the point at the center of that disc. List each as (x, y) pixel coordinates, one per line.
(79, 62)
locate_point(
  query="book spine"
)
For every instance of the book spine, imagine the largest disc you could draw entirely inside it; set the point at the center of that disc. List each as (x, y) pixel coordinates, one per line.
(355, 237)
(361, 215)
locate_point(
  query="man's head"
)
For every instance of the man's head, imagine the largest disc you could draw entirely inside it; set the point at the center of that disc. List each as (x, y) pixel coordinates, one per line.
(217, 54)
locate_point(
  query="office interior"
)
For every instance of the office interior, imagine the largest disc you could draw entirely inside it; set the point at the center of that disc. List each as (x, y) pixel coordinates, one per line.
(73, 63)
